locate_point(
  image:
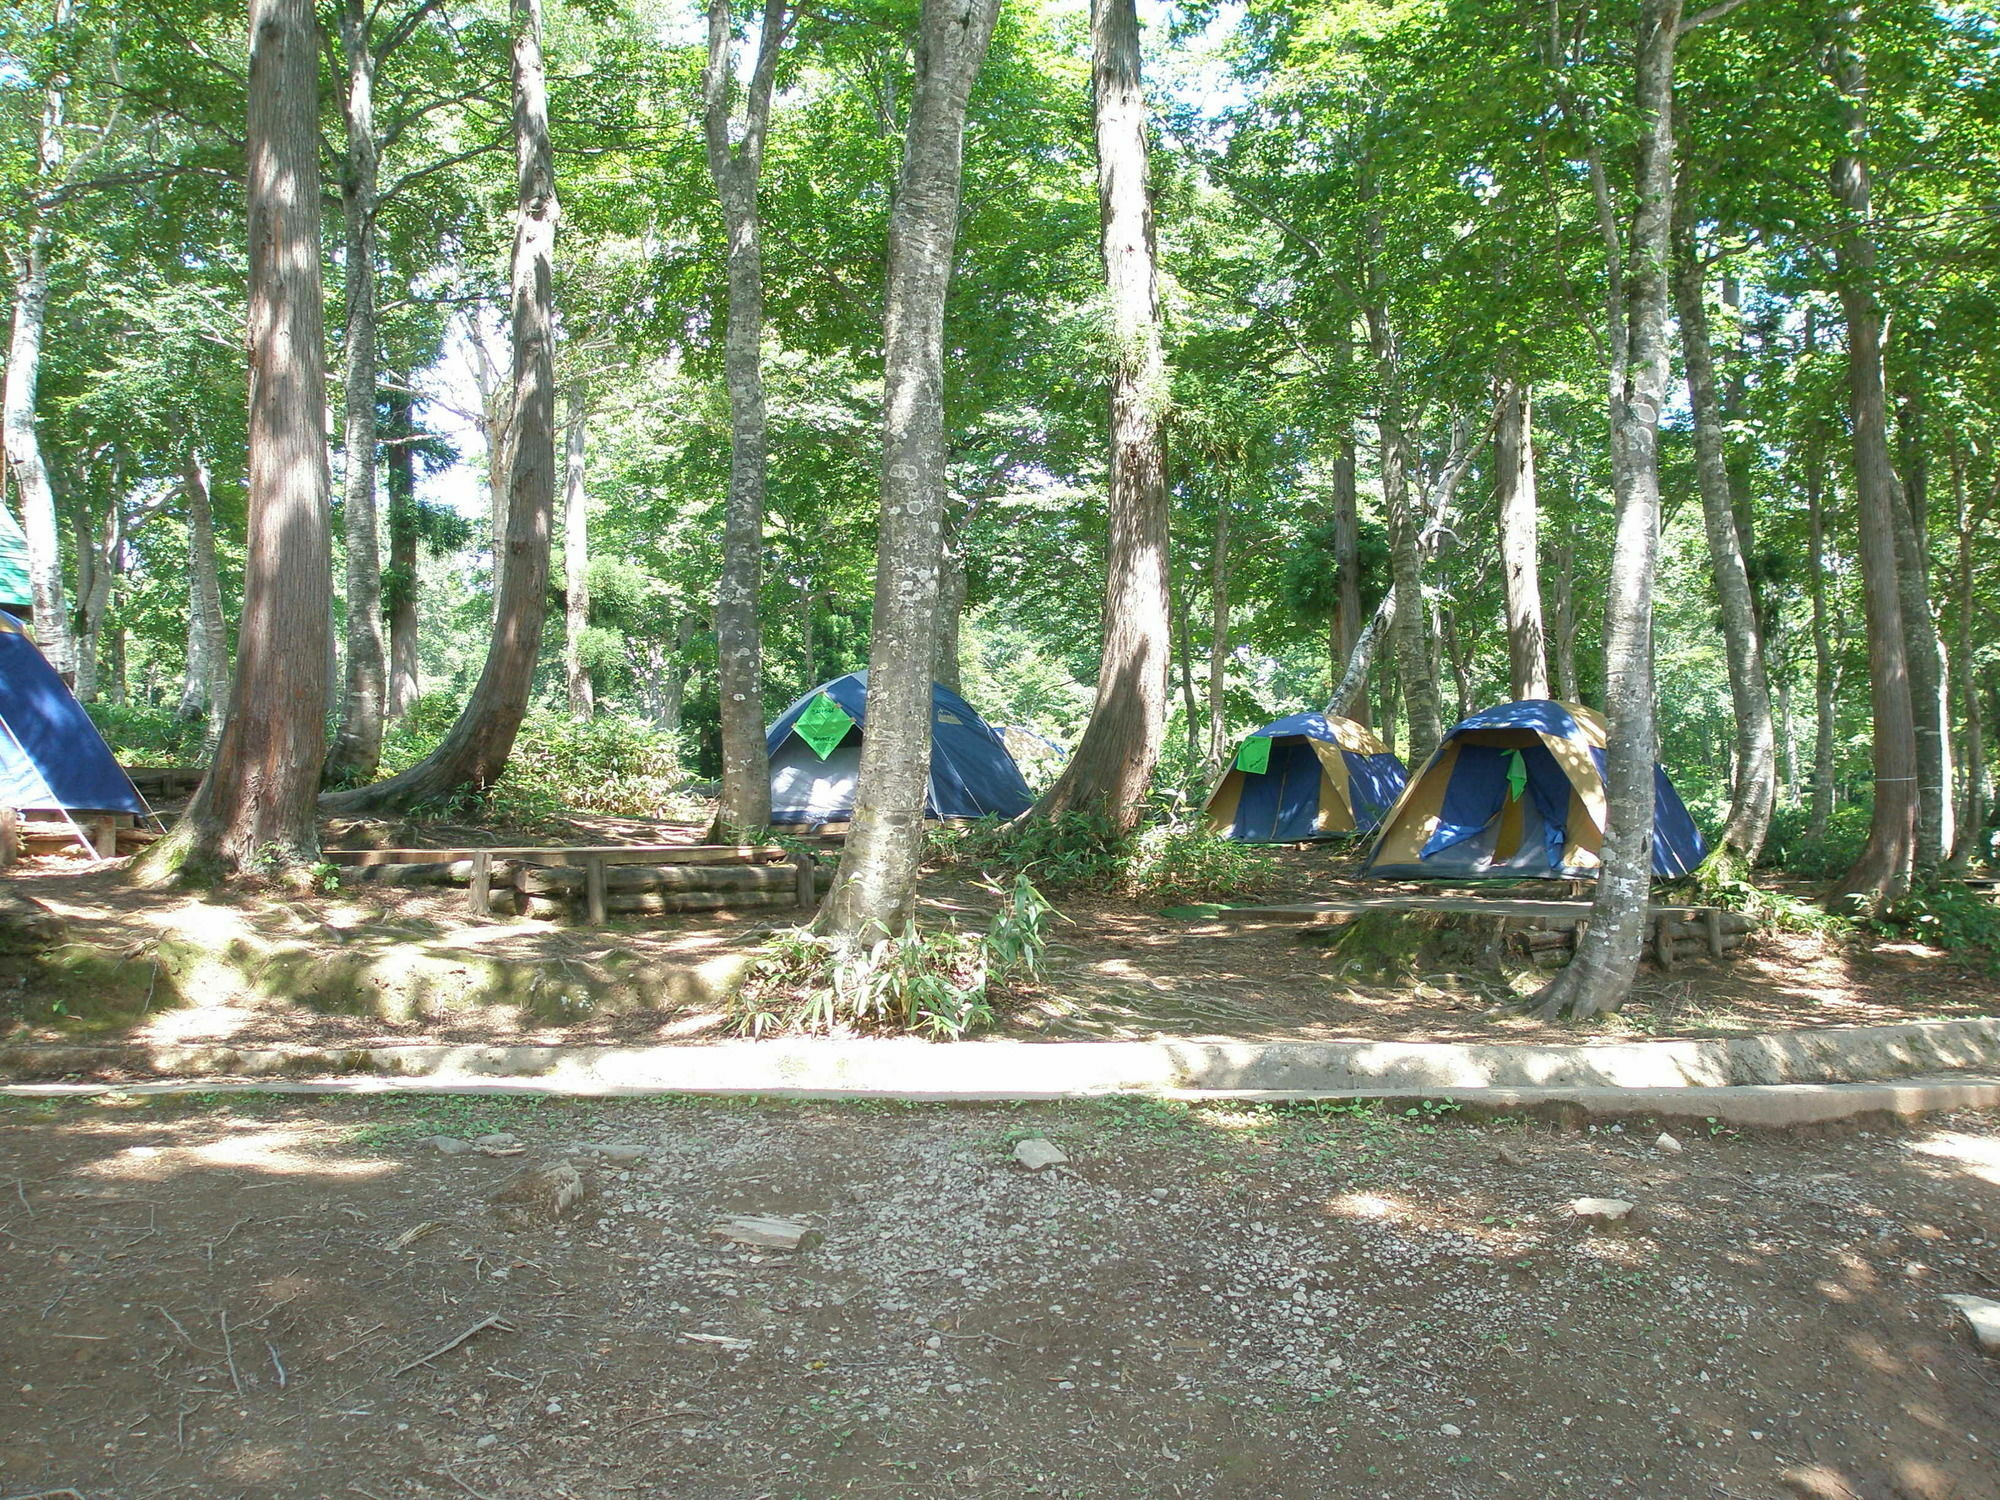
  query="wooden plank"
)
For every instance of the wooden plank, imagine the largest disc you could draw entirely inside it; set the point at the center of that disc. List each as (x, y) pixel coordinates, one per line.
(1663, 940)
(576, 855)
(593, 890)
(479, 892)
(10, 836)
(1712, 920)
(1492, 906)
(104, 837)
(808, 885)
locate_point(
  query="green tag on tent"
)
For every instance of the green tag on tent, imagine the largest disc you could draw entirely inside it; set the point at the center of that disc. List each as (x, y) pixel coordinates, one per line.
(1255, 755)
(1517, 776)
(823, 725)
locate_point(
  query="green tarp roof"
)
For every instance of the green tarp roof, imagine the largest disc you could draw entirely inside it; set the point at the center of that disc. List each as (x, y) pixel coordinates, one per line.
(13, 561)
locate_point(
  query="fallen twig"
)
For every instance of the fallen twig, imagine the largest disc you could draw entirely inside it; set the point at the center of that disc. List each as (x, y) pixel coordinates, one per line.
(276, 1363)
(22, 1193)
(449, 1475)
(445, 1348)
(229, 1351)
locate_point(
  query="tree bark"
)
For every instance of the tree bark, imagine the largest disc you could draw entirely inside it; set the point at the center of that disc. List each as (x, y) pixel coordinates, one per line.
(1413, 650)
(1972, 753)
(1929, 684)
(404, 535)
(1755, 786)
(1883, 869)
(875, 891)
(951, 609)
(576, 562)
(97, 568)
(1520, 562)
(1600, 976)
(474, 752)
(745, 802)
(206, 689)
(255, 808)
(1563, 611)
(357, 749)
(1218, 639)
(1347, 568)
(1108, 776)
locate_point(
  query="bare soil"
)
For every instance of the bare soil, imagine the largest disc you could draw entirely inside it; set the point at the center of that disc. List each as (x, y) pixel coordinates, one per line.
(261, 1298)
(1118, 969)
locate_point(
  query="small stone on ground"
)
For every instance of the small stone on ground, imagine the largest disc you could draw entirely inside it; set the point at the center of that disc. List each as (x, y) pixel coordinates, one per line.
(767, 1232)
(1982, 1315)
(1602, 1210)
(1037, 1152)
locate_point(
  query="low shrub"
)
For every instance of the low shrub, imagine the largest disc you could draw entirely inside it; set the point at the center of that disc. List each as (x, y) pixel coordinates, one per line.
(935, 984)
(1180, 864)
(1792, 847)
(1723, 880)
(609, 764)
(142, 734)
(1953, 917)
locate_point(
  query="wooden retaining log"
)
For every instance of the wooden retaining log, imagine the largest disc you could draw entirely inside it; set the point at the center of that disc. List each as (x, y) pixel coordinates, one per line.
(658, 903)
(549, 880)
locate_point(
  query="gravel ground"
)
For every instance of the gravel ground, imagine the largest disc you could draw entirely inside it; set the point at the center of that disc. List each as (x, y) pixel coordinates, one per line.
(243, 1297)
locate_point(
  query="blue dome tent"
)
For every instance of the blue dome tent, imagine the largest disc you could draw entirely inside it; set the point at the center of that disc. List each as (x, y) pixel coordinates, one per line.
(815, 749)
(1517, 792)
(52, 759)
(1305, 776)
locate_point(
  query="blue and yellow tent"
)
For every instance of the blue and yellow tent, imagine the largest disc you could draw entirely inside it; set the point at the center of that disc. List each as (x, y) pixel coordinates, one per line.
(1305, 776)
(815, 749)
(1517, 792)
(51, 756)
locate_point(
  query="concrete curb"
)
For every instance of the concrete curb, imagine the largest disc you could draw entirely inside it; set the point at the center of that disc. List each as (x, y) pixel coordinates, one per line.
(902, 1067)
(1757, 1106)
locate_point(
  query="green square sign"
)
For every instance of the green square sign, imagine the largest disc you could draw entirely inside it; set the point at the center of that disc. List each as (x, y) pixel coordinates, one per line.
(823, 725)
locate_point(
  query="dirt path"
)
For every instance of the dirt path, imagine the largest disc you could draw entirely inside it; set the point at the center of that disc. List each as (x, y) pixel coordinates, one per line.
(237, 1298)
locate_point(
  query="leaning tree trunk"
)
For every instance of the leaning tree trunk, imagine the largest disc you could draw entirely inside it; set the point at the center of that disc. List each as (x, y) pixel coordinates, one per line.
(206, 689)
(1112, 768)
(1218, 640)
(1520, 562)
(255, 808)
(875, 892)
(576, 562)
(745, 801)
(1883, 869)
(474, 752)
(1607, 955)
(357, 749)
(404, 536)
(1755, 786)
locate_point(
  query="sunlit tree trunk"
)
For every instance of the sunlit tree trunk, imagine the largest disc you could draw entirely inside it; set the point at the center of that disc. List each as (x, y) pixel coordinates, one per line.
(1972, 754)
(1755, 786)
(474, 752)
(206, 687)
(745, 801)
(1929, 683)
(875, 891)
(1883, 869)
(255, 808)
(1520, 561)
(951, 610)
(25, 464)
(357, 749)
(1562, 612)
(1218, 638)
(1112, 768)
(404, 537)
(1347, 625)
(1600, 976)
(576, 561)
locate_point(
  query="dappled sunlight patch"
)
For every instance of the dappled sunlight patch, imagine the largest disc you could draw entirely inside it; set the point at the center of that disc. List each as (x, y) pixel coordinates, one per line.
(1371, 1206)
(1974, 1155)
(249, 1146)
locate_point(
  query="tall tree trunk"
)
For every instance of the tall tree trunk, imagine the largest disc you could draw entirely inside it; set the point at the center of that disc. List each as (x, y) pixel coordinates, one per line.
(357, 749)
(256, 805)
(1346, 566)
(24, 454)
(1413, 649)
(1218, 639)
(1607, 955)
(404, 536)
(576, 562)
(1755, 786)
(875, 891)
(1178, 607)
(474, 752)
(1972, 753)
(745, 802)
(1563, 612)
(1930, 704)
(23, 444)
(1112, 768)
(1883, 869)
(206, 689)
(96, 569)
(951, 609)
(1520, 562)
